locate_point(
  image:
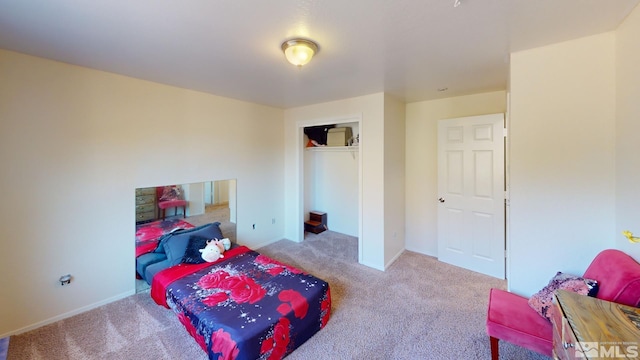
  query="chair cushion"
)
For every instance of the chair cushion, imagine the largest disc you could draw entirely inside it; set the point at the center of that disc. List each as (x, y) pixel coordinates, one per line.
(147, 259)
(171, 203)
(510, 318)
(153, 269)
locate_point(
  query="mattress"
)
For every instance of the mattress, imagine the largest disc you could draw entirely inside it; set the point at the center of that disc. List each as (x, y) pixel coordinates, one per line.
(245, 305)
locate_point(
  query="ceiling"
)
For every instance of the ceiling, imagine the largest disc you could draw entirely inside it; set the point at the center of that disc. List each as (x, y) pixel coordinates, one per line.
(231, 48)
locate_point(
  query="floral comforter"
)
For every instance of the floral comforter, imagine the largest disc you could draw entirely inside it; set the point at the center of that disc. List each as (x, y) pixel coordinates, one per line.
(245, 305)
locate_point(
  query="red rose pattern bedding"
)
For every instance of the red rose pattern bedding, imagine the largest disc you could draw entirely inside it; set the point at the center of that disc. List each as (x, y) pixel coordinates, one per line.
(245, 305)
(147, 235)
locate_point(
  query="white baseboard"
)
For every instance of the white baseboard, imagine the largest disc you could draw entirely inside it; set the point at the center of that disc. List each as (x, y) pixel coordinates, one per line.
(373, 266)
(421, 251)
(69, 314)
(386, 266)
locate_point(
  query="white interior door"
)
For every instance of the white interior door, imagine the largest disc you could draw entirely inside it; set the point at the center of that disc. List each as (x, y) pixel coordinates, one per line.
(471, 214)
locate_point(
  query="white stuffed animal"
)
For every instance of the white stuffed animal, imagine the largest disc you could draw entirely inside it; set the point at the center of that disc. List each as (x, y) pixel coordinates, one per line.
(212, 251)
(226, 243)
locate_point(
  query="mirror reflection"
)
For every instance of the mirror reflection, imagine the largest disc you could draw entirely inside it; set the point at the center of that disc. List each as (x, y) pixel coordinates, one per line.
(162, 209)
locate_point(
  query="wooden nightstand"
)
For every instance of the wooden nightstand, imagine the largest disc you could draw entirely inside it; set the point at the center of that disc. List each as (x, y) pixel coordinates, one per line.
(588, 328)
(145, 204)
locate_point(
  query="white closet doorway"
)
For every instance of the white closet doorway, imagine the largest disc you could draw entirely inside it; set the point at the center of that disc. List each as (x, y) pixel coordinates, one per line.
(330, 179)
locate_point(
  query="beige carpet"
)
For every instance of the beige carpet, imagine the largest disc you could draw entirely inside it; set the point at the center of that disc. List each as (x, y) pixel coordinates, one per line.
(418, 309)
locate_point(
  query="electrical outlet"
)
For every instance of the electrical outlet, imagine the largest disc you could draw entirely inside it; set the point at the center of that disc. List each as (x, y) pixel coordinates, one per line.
(65, 279)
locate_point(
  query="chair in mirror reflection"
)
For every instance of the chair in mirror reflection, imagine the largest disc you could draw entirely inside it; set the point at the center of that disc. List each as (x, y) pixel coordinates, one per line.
(171, 197)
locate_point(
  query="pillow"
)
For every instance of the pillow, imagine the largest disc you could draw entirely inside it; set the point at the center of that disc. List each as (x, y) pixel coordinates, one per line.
(164, 238)
(192, 254)
(176, 243)
(542, 301)
(171, 193)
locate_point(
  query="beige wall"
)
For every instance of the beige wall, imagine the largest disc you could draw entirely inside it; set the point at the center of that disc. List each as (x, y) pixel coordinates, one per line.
(75, 143)
(628, 132)
(562, 156)
(332, 180)
(422, 163)
(394, 178)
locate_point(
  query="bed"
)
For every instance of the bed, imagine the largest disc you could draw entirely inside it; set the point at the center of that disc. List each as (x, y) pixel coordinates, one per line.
(243, 306)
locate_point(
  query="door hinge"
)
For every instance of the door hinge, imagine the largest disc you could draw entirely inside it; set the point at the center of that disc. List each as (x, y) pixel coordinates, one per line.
(504, 132)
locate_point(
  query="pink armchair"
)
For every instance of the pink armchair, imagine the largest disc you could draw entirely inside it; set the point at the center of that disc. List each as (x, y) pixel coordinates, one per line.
(510, 318)
(170, 197)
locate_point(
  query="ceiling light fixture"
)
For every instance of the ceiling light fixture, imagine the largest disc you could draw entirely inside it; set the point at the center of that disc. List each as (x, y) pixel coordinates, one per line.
(299, 51)
(456, 3)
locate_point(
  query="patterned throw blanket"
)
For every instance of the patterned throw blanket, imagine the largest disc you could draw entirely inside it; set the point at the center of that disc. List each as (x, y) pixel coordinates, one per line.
(245, 305)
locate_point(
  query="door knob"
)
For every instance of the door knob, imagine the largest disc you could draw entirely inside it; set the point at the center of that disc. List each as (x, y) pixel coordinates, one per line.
(441, 200)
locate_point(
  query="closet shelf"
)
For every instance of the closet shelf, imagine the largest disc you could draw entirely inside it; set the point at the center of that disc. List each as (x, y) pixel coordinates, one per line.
(332, 148)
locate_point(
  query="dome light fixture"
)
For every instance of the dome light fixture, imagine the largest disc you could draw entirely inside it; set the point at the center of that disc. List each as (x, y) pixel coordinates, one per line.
(299, 51)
